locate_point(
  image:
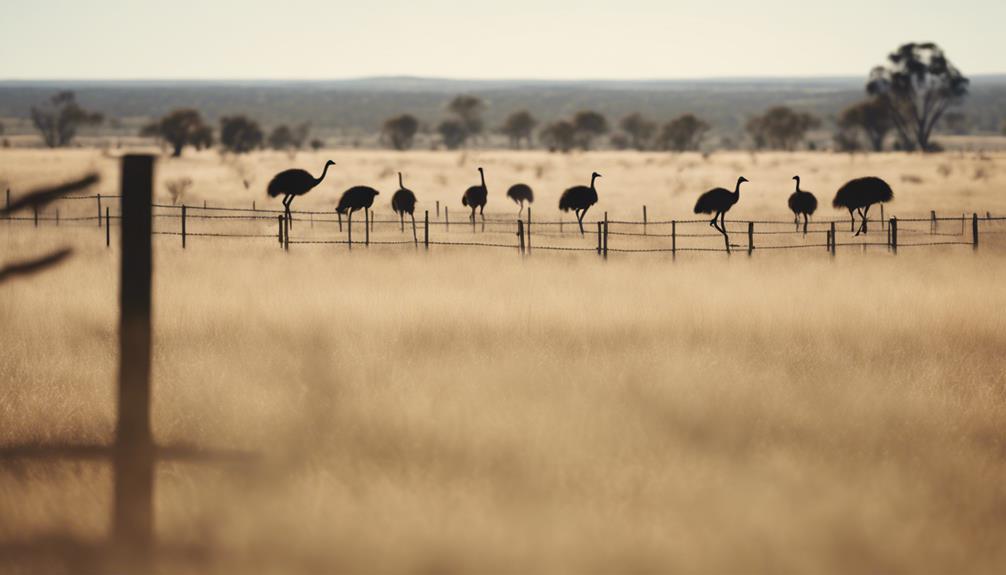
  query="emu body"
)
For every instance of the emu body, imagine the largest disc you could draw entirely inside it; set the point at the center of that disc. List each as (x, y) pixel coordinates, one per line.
(404, 202)
(858, 195)
(578, 199)
(520, 193)
(718, 202)
(476, 197)
(293, 183)
(353, 199)
(802, 203)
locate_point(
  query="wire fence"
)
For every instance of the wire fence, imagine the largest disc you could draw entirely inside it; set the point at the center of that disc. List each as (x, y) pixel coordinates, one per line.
(603, 236)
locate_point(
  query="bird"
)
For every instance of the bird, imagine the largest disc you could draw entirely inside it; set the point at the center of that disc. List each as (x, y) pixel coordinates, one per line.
(718, 202)
(802, 202)
(520, 193)
(355, 198)
(859, 194)
(293, 183)
(476, 197)
(404, 202)
(579, 199)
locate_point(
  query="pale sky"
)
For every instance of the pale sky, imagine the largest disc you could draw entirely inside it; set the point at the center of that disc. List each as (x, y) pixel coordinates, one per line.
(562, 39)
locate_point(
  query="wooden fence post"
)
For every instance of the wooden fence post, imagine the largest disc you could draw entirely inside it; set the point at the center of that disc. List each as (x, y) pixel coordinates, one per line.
(644, 219)
(438, 209)
(108, 228)
(99, 209)
(133, 517)
(605, 235)
(894, 234)
(750, 237)
(962, 223)
(366, 227)
(974, 231)
(834, 240)
(253, 206)
(520, 236)
(286, 232)
(349, 229)
(447, 220)
(426, 230)
(529, 229)
(881, 216)
(184, 231)
(600, 238)
(674, 238)
(279, 234)
(932, 222)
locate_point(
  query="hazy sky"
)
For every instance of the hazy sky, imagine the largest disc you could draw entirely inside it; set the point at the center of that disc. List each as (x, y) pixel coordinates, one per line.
(206, 39)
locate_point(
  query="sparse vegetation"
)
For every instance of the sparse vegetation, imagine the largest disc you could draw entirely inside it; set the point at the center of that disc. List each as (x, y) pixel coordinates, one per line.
(285, 138)
(588, 125)
(519, 126)
(400, 131)
(239, 134)
(780, 128)
(639, 130)
(871, 118)
(682, 134)
(59, 119)
(181, 128)
(559, 136)
(177, 188)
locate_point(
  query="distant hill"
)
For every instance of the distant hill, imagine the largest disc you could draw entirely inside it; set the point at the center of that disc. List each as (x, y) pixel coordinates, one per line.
(356, 108)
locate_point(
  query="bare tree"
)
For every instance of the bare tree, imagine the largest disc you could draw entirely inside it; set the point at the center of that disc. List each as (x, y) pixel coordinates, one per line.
(588, 125)
(59, 119)
(871, 117)
(918, 84)
(682, 133)
(519, 126)
(400, 131)
(639, 129)
(780, 128)
(180, 128)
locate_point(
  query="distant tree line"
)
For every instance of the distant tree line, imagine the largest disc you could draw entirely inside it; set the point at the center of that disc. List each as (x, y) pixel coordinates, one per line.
(908, 96)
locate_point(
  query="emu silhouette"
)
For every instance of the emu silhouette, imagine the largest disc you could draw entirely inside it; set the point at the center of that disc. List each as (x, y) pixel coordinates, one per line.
(293, 183)
(353, 199)
(578, 199)
(476, 197)
(718, 202)
(520, 193)
(404, 202)
(859, 195)
(802, 203)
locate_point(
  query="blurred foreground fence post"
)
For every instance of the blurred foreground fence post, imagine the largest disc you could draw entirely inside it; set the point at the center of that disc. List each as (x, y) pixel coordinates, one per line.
(108, 227)
(750, 238)
(133, 516)
(974, 231)
(599, 237)
(286, 232)
(366, 227)
(426, 230)
(605, 235)
(98, 196)
(932, 222)
(447, 220)
(438, 209)
(279, 233)
(894, 235)
(644, 219)
(881, 216)
(184, 231)
(834, 241)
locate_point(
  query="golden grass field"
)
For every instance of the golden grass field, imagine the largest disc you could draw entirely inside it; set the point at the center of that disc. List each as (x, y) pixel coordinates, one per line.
(465, 410)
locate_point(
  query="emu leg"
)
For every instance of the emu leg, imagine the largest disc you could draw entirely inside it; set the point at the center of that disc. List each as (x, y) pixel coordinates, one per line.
(852, 222)
(866, 213)
(579, 219)
(349, 228)
(712, 222)
(286, 209)
(340, 221)
(401, 217)
(483, 216)
(805, 224)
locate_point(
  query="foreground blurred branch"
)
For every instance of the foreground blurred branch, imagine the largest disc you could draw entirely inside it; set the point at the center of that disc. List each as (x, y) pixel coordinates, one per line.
(33, 266)
(42, 196)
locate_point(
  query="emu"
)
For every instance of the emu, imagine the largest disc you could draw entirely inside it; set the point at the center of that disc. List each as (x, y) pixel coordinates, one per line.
(520, 193)
(579, 199)
(718, 202)
(476, 197)
(802, 202)
(353, 199)
(404, 202)
(859, 195)
(293, 183)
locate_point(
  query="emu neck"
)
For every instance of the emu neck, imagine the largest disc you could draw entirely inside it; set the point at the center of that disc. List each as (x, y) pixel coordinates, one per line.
(323, 173)
(400, 184)
(483, 176)
(798, 184)
(592, 179)
(737, 189)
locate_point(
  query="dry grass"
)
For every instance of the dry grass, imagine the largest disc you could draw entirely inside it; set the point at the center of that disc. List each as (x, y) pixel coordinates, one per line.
(464, 411)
